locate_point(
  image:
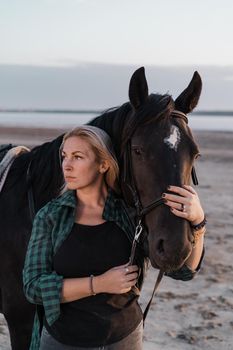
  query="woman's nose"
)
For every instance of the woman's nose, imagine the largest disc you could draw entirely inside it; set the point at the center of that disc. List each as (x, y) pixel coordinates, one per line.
(67, 164)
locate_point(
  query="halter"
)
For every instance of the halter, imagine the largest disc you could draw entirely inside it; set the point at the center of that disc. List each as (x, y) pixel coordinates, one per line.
(131, 196)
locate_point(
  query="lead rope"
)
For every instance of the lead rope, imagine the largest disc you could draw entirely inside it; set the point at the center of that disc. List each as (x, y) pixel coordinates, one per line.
(158, 280)
(138, 231)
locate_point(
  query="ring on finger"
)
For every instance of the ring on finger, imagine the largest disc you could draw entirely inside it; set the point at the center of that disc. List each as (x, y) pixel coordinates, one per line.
(183, 208)
(126, 270)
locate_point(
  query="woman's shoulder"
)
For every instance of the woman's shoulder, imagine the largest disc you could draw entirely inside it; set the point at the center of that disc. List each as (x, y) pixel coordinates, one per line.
(65, 199)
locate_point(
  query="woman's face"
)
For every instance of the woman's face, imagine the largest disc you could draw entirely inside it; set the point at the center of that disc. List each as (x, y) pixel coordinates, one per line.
(80, 166)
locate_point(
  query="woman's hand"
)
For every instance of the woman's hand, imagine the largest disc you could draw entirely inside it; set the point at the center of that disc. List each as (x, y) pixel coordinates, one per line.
(117, 280)
(184, 203)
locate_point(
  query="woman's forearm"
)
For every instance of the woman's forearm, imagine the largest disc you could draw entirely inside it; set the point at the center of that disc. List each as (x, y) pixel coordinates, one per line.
(76, 288)
(117, 280)
(193, 260)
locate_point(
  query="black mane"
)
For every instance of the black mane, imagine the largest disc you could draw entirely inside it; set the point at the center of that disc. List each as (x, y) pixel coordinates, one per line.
(45, 165)
(46, 162)
(157, 107)
(113, 122)
(121, 122)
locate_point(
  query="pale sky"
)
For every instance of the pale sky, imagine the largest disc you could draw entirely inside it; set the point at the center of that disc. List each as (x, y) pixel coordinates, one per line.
(145, 32)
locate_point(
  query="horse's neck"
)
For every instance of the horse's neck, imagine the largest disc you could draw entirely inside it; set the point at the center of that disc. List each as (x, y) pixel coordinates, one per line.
(113, 123)
(45, 171)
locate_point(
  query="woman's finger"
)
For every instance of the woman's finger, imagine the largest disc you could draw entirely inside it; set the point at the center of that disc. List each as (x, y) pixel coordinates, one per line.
(130, 283)
(131, 276)
(178, 206)
(180, 190)
(181, 214)
(175, 198)
(131, 268)
(190, 189)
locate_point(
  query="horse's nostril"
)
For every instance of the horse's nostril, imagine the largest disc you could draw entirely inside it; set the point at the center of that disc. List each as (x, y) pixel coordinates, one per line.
(160, 247)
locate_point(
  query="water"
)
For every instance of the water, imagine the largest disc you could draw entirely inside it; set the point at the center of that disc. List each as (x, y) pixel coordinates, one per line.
(44, 120)
(65, 120)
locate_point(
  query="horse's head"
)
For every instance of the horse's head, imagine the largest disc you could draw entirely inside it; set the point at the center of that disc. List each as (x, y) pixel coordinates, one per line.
(161, 150)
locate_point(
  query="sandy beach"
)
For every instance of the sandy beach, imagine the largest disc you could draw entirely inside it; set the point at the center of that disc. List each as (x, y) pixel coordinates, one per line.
(184, 315)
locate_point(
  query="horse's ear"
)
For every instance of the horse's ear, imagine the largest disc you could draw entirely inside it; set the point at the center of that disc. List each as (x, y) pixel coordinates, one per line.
(189, 98)
(138, 88)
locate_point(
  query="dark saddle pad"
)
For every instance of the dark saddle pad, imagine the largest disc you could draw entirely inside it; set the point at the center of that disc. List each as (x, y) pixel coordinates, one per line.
(4, 149)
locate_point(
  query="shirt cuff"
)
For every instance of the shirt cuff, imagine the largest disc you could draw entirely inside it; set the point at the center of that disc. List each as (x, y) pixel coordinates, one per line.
(185, 273)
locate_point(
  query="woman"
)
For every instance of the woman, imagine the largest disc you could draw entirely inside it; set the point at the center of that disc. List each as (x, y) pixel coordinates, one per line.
(76, 265)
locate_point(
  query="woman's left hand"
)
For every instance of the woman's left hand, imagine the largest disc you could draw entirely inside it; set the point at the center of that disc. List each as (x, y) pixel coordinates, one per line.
(184, 203)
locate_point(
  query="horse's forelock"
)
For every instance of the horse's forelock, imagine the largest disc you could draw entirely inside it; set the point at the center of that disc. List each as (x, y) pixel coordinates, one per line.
(156, 108)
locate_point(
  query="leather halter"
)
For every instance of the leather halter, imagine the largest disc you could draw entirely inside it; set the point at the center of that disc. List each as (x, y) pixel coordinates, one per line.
(131, 196)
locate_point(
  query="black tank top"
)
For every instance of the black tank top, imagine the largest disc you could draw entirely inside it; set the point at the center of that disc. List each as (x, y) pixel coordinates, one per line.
(104, 318)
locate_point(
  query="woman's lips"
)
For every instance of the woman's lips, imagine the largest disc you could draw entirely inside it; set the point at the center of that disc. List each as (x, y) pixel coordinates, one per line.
(69, 178)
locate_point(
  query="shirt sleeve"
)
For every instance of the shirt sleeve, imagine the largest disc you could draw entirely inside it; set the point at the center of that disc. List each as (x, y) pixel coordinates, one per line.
(41, 284)
(185, 273)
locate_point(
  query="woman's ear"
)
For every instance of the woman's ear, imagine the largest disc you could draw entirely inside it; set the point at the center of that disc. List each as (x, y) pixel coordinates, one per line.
(104, 166)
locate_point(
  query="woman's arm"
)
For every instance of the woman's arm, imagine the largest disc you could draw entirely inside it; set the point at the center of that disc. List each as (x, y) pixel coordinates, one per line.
(194, 259)
(117, 280)
(41, 284)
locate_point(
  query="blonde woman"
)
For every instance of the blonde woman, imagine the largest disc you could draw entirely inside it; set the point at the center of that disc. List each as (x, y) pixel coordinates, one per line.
(76, 263)
(76, 268)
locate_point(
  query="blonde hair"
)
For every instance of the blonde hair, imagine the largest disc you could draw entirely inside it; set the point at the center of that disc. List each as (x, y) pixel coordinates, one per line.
(103, 149)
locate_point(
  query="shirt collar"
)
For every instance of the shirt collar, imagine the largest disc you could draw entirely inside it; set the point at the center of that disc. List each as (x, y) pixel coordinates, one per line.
(69, 199)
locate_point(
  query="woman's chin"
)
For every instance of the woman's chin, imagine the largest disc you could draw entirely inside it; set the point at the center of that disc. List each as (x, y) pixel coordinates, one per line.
(71, 186)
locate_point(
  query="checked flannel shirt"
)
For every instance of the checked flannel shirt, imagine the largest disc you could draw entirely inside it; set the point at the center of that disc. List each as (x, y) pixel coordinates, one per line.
(51, 226)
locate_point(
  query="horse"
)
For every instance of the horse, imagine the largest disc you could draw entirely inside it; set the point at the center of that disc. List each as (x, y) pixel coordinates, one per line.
(154, 147)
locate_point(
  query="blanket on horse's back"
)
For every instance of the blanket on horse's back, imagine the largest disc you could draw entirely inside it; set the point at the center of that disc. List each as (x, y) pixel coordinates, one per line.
(8, 153)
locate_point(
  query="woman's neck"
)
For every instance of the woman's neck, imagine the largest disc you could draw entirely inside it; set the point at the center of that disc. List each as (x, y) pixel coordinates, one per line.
(92, 197)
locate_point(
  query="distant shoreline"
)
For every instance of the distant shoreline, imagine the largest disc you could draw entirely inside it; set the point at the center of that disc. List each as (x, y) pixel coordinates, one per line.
(211, 113)
(33, 136)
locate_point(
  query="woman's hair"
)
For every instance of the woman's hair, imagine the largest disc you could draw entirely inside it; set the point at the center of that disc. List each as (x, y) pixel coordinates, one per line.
(102, 146)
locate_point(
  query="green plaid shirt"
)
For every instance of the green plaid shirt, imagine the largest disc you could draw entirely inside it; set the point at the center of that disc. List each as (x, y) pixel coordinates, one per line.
(52, 225)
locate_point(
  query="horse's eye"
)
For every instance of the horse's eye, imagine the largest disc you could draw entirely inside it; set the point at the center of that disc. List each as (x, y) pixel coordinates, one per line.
(137, 151)
(197, 155)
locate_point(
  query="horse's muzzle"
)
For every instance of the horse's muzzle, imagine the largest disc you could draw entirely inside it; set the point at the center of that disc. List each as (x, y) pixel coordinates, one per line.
(167, 256)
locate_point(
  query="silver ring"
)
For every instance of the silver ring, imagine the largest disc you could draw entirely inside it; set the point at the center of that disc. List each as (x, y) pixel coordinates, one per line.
(182, 207)
(126, 270)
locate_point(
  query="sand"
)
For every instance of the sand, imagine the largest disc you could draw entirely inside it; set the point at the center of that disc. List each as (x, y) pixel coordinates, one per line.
(185, 315)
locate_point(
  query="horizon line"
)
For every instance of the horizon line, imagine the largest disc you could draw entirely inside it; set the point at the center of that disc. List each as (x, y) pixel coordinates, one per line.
(99, 111)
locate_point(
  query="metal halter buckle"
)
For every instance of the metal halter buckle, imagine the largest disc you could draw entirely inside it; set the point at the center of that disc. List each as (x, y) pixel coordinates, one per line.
(138, 231)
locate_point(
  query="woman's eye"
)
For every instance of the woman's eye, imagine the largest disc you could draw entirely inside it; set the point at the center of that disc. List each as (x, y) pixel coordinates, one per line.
(77, 157)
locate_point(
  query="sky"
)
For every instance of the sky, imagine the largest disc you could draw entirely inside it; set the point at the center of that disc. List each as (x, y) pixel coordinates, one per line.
(142, 32)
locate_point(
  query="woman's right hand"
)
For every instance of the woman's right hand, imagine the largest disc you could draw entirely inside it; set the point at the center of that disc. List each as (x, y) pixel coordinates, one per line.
(117, 280)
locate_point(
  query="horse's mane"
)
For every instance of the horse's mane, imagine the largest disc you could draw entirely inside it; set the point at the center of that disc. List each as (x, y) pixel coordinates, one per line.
(45, 165)
(113, 121)
(156, 108)
(46, 161)
(121, 122)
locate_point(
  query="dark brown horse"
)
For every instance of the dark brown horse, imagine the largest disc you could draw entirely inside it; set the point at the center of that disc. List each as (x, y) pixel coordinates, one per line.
(160, 151)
